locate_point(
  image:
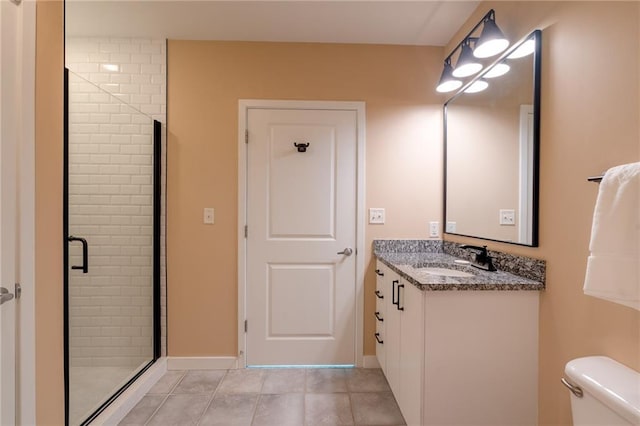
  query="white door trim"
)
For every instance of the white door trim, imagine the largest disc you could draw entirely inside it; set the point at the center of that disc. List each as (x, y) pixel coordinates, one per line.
(243, 107)
(26, 399)
(25, 45)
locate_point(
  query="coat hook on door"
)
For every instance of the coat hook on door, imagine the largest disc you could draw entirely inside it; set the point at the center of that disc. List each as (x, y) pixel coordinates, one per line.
(302, 147)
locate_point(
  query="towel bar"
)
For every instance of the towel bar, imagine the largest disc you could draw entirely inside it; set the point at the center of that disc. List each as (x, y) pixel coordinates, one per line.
(595, 178)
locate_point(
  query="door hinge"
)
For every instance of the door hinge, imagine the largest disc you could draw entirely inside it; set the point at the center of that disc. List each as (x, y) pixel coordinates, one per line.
(246, 136)
(246, 326)
(246, 231)
(18, 291)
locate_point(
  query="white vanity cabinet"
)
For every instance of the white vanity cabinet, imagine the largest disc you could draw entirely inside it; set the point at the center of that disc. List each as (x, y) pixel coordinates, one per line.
(403, 342)
(459, 357)
(382, 272)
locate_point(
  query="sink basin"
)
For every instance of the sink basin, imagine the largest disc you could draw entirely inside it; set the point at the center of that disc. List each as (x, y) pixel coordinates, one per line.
(446, 272)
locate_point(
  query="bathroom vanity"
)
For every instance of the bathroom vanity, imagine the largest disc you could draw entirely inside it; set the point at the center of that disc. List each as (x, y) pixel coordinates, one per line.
(457, 345)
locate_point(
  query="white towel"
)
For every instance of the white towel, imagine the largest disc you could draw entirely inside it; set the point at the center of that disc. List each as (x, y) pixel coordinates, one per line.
(613, 268)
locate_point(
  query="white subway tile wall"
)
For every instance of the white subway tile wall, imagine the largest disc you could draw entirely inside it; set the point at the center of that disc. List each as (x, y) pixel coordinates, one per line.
(117, 87)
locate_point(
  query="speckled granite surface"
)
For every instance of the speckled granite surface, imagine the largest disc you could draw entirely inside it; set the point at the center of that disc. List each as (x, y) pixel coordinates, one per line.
(409, 264)
(407, 246)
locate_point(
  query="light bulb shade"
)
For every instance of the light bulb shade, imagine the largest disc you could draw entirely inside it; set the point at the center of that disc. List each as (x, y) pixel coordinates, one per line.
(526, 48)
(491, 42)
(497, 70)
(447, 81)
(467, 64)
(477, 86)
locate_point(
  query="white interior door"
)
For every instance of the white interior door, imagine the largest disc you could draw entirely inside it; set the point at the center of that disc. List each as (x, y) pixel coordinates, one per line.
(9, 119)
(300, 256)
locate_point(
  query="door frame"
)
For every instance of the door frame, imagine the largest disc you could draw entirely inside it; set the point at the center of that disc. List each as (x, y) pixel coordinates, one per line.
(25, 368)
(244, 105)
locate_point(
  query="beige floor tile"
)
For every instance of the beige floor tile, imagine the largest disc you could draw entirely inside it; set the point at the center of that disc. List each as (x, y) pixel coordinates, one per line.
(180, 410)
(375, 408)
(199, 381)
(284, 380)
(235, 409)
(366, 380)
(326, 380)
(243, 380)
(167, 382)
(143, 410)
(327, 409)
(280, 410)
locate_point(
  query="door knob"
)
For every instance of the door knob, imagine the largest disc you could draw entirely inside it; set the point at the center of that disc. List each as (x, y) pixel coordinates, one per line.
(347, 252)
(5, 296)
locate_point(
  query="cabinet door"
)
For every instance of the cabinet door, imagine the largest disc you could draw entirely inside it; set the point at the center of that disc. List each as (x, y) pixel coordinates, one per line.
(382, 273)
(392, 333)
(411, 301)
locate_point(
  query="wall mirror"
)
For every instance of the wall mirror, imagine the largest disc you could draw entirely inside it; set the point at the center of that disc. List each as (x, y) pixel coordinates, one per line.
(491, 152)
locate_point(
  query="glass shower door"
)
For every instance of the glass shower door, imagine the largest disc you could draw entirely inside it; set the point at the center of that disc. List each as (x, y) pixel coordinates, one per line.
(112, 231)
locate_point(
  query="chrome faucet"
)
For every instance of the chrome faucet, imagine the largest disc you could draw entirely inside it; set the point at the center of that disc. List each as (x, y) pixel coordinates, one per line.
(482, 259)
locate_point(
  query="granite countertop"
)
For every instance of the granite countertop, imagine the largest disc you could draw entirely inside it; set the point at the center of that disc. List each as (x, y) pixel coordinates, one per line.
(408, 264)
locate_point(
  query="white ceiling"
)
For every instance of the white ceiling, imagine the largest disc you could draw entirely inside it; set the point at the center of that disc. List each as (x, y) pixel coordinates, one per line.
(430, 23)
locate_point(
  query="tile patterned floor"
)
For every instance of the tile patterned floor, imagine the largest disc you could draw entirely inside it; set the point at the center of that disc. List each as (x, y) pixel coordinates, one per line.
(265, 397)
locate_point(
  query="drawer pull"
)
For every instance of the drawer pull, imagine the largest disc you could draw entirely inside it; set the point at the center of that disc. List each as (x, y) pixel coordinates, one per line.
(393, 293)
(381, 274)
(377, 314)
(378, 295)
(378, 339)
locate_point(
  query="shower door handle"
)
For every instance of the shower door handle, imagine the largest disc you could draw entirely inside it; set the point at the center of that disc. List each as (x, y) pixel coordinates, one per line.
(85, 254)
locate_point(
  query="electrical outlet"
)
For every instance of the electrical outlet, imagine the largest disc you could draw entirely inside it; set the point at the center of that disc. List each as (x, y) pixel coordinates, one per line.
(208, 216)
(451, 227)
(434, 229)
(507, 217)
(376, 216)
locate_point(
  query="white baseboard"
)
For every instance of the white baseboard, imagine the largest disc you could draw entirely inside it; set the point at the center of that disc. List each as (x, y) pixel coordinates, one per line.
(370, 361)
(202, 363)
(118, 409)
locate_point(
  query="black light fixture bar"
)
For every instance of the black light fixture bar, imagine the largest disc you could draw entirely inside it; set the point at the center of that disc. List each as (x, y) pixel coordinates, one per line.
(491, 14)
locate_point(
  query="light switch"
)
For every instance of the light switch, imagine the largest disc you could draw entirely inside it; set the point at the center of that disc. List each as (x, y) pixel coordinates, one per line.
(208, 216)
(434, 229)
(376, 216)
(451, 226)
(507, 217)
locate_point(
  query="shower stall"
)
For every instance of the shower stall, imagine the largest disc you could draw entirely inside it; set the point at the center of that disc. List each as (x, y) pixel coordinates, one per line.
(112, 246)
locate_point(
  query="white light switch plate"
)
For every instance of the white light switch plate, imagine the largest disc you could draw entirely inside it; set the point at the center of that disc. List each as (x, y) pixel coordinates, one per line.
(451, 226)
(434, 229)
(208, 216)
(507, 217)
(376, 216)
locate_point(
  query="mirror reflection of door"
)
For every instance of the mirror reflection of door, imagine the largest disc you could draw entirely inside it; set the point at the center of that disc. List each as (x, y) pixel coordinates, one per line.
(525, 224)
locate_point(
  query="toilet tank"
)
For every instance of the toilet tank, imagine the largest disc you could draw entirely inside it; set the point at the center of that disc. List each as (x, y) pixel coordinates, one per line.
(611, 392)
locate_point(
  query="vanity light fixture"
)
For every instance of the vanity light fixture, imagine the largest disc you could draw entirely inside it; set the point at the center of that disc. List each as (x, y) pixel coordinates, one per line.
(491, 42)
(467, 64)
(526, 48)
(497, 70)
(477, 86)
(447, 81)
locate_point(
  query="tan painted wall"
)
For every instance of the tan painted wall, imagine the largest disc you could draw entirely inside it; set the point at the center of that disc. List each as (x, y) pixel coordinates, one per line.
(48, 151)
(590, 122)
(206, 79)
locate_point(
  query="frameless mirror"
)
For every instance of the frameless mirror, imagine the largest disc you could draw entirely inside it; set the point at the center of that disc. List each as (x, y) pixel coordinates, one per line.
(492, 150)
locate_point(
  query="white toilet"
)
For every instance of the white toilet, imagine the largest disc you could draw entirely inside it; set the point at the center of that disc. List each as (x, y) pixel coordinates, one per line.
(604, 392)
